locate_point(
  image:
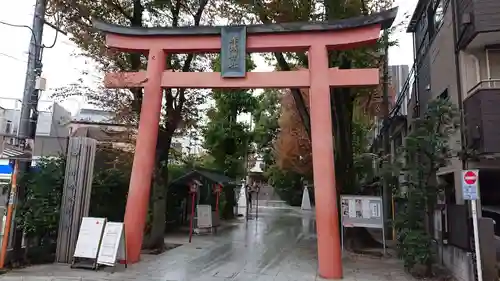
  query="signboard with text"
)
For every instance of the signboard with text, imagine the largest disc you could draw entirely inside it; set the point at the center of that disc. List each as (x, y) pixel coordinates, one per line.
(470, 184)
(89, 237)
(233, 51)
(112, 246)
(204, 216)
(361, 211)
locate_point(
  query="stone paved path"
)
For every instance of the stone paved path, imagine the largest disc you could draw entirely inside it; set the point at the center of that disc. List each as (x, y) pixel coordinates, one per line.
(279, 246)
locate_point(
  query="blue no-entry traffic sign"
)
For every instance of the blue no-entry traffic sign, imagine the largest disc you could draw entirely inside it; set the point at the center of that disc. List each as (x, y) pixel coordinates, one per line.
(470, 182)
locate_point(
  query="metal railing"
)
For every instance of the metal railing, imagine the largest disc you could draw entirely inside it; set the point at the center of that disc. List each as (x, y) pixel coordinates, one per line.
(485, 84)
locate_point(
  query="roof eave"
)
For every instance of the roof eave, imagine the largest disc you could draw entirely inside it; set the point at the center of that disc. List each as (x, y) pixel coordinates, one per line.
(415, 16)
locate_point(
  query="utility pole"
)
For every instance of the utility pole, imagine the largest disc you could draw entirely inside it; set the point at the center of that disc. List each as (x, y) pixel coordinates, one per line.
(29, 113)
(386, 191)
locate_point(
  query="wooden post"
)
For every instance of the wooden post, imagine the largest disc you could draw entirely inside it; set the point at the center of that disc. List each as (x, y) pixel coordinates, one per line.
(217, 194)
(327, 223)
(192, 191)
(75, 202)
(144, 157)
(8, 219)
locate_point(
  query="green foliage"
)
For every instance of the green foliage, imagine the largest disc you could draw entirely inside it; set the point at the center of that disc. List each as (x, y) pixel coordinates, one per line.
(109, 193)
(362, 160)
(416, 248)
(181, 107)
(360, 141)
(426, 149)
(173, 212)
(228, 141)
(266, 116)
(287, 184)
(38, 215)
(110, 183)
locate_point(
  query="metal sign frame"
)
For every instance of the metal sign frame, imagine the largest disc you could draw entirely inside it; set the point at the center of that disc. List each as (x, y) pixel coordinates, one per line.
(362, 205)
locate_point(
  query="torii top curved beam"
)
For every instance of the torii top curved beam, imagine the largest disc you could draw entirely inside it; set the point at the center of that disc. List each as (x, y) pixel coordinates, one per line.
(117, 35)
(385, 19)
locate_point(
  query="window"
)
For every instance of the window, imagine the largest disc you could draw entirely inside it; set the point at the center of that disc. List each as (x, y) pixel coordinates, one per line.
(470, 72)
(8, 127)
(439, 14)
(493, 64)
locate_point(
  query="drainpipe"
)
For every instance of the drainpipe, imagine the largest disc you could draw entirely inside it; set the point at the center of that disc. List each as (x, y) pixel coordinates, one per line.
(463, 138)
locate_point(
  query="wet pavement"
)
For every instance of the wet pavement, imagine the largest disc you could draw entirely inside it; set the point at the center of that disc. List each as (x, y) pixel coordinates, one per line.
(279, 246)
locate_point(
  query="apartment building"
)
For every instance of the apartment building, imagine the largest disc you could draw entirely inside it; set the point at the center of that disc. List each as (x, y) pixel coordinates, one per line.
(50, 137)
(457, 56)
(397, 83)
(51, 132)
(100, 125)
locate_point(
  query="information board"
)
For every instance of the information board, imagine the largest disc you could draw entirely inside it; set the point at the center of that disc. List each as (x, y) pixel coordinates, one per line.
(204, 216)
(89, 237)
(361, 211)
(112, 244)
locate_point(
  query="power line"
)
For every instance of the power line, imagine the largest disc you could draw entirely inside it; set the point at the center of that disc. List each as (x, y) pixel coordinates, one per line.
(36, 43)
(21, 26)
(24, 61)
(12, 57)
(32, 33)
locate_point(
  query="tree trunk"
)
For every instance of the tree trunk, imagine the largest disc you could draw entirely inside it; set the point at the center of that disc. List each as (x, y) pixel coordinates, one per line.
(157, 234)
(342, 126)
(355, 239)
(159, 194)
(228, 211)
(431, 182)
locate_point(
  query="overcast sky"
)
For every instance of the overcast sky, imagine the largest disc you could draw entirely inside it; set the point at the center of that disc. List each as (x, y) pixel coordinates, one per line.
(61, 66)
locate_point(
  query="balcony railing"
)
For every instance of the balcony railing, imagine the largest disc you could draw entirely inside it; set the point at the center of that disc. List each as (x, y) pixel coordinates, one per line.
(485, 84)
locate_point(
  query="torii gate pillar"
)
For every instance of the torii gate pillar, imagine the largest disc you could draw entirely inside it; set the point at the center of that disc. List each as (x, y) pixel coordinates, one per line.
(316, 38)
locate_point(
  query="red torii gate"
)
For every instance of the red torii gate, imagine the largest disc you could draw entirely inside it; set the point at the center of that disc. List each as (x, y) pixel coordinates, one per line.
(316, 38)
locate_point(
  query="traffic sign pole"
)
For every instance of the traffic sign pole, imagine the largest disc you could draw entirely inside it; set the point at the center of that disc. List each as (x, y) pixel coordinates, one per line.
(470, 187)
(473, 205)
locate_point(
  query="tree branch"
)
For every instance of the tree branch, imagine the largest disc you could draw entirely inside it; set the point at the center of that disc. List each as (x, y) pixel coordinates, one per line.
(119, 9)
(181, 94)
(176, 9)
(363, 8)
(283, 65)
